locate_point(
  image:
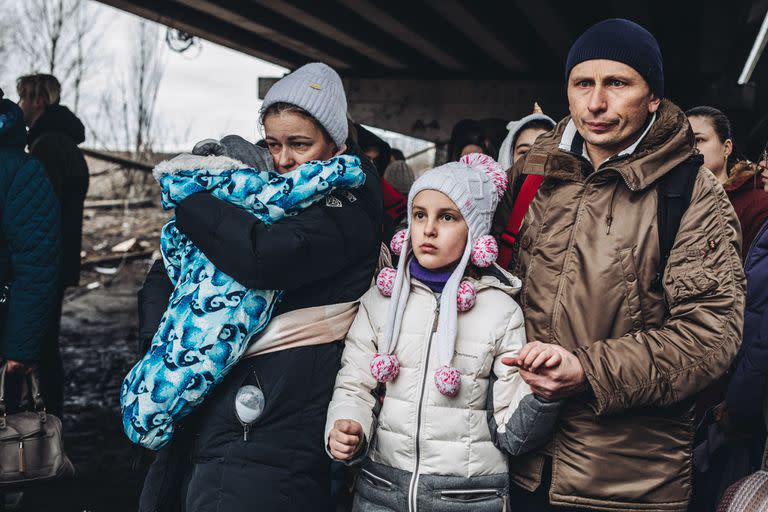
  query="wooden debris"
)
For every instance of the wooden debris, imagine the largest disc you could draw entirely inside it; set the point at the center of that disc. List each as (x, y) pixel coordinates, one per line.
(98, 260)
(119, 203)
(125, 245)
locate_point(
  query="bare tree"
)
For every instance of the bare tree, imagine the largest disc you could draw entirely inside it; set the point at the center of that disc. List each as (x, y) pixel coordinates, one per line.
(126, 119)
(6, 24)
(146, 74)
(59, 37)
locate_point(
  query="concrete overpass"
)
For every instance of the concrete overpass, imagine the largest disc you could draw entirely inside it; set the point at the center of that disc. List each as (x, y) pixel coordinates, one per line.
(418, 66)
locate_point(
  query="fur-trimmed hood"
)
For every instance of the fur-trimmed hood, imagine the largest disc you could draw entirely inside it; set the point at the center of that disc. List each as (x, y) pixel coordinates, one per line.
(212, 164)
(514, 128)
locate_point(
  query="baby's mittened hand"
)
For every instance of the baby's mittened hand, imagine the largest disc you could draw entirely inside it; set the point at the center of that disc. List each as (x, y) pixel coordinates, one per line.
(209, 147)
(345, 439)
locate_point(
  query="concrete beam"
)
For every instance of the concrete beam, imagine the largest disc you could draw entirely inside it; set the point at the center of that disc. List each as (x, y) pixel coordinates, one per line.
(278, 35)
(316, 24)
(465, 22)
(637, 11)
(223, 34)
(428, 109)
(382, 19)
(712, 53)
(548, 24)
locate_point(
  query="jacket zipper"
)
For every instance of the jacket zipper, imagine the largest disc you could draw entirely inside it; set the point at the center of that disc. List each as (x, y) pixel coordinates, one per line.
(609, 217)
(587, 183)
(603, 170)
(413, 486)
(600, 170)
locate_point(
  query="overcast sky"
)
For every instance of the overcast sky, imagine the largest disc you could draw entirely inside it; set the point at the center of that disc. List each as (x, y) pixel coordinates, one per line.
(211, 93)
(203, 94)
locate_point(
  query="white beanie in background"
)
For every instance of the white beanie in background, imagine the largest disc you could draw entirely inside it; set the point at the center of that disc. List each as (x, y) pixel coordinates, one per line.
(514, 128)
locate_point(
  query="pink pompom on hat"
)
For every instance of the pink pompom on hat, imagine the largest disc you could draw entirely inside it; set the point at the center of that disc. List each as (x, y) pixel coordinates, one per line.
(475, 184)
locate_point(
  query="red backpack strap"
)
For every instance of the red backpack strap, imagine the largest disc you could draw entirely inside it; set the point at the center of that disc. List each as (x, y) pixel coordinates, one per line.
(509, 236)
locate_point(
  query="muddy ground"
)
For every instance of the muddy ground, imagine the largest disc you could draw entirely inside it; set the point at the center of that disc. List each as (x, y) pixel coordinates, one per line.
(99, 345)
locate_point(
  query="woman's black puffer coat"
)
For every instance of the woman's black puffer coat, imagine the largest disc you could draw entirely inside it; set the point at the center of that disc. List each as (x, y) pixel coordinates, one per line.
(324, 255)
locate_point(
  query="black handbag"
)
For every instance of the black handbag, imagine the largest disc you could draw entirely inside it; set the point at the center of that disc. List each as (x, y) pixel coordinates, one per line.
(31, 447)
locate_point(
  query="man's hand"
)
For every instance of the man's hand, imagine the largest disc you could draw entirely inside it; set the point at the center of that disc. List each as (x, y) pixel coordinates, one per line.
(551, 371)
(721, 416)
(345, 439)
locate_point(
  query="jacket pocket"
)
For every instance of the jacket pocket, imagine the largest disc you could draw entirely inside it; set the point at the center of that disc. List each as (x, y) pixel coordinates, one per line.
(376, 481)
(688, 275)
(474, 358)
(378, 487)
(632, 289)
(469, 496)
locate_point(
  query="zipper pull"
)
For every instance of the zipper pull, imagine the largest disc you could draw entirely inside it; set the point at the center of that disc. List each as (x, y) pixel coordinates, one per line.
(437, 316)
(609, 220)
(249, 404)
(22, 463)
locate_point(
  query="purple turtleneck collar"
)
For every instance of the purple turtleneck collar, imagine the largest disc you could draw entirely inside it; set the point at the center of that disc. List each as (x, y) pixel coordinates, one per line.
(434, 279)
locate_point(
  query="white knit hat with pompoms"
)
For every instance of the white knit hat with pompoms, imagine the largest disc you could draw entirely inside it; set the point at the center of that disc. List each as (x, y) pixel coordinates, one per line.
(475, 183)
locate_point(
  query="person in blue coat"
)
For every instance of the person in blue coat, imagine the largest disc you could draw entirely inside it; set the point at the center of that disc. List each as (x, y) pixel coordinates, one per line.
(735, 436)
(746, 391)
(30, 244)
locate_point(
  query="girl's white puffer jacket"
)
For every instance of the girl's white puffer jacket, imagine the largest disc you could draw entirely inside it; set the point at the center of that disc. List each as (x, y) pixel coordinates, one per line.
(419, 430)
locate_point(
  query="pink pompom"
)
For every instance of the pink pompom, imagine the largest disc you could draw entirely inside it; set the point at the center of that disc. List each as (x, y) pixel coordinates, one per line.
(385, 367)
(465, 297)
(385, 281)
(492, 168)
(396, 244)
(448, 380)
(485, 251)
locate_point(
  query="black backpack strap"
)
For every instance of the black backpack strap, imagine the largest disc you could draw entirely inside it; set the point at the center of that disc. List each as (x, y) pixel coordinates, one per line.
(674, 195)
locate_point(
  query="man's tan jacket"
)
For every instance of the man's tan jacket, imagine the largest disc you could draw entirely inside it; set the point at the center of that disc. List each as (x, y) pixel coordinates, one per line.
(587, 256)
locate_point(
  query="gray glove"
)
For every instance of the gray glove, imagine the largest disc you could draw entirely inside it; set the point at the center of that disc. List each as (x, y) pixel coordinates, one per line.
(238, 148)
(209, 147)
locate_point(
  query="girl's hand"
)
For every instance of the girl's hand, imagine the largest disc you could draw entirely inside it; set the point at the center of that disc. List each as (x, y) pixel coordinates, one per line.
(345, 439)
(551, 371)
(536, 355)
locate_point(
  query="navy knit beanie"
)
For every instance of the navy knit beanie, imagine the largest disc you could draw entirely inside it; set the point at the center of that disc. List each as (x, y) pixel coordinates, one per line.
(622, 41)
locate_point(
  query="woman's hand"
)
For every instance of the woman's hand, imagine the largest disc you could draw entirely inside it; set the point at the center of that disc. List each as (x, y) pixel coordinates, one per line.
(345, 439)
(16, 366)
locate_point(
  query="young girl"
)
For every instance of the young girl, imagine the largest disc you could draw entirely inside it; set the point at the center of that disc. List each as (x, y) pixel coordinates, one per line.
(435, 332)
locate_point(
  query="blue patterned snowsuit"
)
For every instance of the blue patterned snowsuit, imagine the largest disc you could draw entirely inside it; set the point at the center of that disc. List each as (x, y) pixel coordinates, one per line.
(211, 317)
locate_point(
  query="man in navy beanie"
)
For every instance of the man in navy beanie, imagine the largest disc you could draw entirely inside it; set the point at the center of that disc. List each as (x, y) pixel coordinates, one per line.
(638, 313)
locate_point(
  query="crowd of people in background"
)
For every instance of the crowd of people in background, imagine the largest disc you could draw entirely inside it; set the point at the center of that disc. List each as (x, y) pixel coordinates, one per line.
(565, 316)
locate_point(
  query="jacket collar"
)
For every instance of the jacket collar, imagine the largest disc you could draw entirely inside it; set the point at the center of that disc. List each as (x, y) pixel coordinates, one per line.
(744, 175)
(573, 142)
(668, 141)
(491, 277)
